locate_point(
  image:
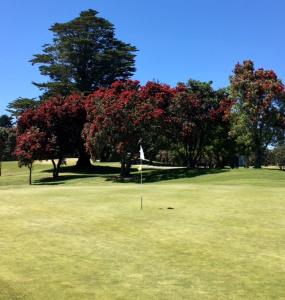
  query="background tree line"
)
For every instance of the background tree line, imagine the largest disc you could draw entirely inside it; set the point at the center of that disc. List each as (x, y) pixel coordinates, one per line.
(90, 108)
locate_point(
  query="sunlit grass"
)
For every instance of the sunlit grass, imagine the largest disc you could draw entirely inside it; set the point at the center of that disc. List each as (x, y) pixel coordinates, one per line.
(85, 237)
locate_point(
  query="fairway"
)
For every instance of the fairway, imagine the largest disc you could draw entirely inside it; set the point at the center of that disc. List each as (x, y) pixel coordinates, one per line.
(85, 237)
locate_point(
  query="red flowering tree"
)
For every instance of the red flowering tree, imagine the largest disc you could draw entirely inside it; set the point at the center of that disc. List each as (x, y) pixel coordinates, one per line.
(32, 145)
(112, 115)
(258, 114)
(62, 121)
(221, 149)
(154, 118)
(195, 112)
(125, 115)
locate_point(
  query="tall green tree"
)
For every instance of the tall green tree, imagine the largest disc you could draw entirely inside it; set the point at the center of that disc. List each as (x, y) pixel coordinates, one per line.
(258, 115)
(84, 55)
(19, 105)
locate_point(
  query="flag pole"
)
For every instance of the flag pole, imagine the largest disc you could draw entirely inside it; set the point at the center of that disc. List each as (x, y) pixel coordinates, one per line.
(141, 187)
(141, 158)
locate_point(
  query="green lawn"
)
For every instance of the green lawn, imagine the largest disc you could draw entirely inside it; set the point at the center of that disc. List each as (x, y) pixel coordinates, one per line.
(85, 237)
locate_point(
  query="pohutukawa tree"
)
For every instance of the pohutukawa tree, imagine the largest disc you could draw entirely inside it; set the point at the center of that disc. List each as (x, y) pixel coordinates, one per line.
(125, 115)
(195, 111)
(258, 115)
(62, 120)
(112, 120)
(153, 115)
(32, 145)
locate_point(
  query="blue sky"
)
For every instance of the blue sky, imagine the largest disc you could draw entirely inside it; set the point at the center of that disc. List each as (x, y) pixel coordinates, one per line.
(177, 40)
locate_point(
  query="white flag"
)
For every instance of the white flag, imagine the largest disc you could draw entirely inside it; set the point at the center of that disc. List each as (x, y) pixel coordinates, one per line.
(141, 153)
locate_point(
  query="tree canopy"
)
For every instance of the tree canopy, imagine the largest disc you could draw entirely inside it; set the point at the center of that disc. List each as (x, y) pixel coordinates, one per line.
(61, 120)
(83, 56)
(125, 115)
(258, 114)
(5, 121)
(20, 105)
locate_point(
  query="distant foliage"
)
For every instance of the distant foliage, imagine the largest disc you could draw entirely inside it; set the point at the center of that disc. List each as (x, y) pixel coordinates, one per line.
(10, 145)
(5, 121)
(20, 105)
(3, 143)
(279, 156)
(7, 144)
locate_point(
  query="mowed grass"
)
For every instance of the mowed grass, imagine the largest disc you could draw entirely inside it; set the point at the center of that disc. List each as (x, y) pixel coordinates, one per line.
(85, 237)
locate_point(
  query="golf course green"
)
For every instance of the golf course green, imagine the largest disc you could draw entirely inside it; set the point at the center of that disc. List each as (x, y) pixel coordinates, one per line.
(202, 234)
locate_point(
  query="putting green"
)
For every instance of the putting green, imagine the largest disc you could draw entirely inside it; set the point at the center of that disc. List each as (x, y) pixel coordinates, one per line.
(85, 237)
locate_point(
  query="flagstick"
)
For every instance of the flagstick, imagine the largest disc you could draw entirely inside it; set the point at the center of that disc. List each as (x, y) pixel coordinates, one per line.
(141, 187)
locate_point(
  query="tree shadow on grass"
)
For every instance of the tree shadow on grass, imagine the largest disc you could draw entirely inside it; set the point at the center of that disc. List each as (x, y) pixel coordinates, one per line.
(150, 176)
(112, 174)
(98, 170)
(272, 169)
(68, 173)
(62, 179)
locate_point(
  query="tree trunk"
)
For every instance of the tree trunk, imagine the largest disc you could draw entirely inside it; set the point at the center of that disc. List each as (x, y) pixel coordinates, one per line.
(191, 157)
(125, 168)
(191, 163)
(56, 168)
(30, 166)
(258, 149)
(83, 161)
(258, 158)
(105, 154)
